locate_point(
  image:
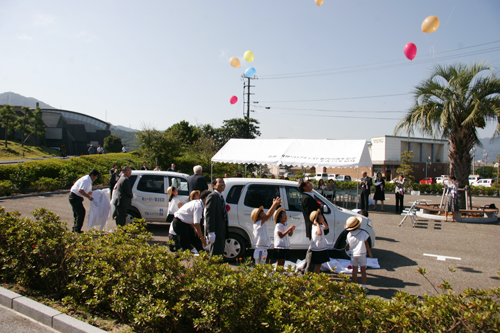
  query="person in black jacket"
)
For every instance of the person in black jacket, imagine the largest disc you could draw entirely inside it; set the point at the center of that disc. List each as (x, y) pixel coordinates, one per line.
(309, 205)
(216, 218)
(366, 184)
(124, 196)
(197, 182)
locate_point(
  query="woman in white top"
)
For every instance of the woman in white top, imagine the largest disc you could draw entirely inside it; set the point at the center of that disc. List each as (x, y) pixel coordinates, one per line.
(282, 234)
(318, 242)
(261, 239)
(173, 205)
(321, 186)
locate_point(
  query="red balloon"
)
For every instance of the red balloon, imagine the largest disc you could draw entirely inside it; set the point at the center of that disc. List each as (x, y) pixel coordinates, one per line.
(410, 51)
(233, 100)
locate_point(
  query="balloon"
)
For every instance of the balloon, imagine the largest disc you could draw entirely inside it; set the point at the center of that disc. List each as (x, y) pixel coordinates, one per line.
(319, 2)
(248, 56)
(250, 72)
(430, 24)
(233, 100)
(410, 51)
(235, 62)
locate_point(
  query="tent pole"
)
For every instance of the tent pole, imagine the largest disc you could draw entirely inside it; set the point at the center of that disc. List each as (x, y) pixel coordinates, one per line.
(357, 193)
(212, 172)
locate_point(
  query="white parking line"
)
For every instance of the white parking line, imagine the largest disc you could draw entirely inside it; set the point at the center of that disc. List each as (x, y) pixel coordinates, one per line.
(440, 257)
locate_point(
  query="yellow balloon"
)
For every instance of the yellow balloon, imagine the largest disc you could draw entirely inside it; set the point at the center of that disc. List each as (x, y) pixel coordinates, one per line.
(235, 62)
(319, 2)
(430, 24)
(248, 56)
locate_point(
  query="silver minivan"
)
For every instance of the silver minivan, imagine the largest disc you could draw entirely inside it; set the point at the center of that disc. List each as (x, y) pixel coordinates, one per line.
(244, 194)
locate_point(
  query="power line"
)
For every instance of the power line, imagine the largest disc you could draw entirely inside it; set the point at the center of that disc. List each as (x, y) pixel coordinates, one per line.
(323, 110)
(399, 63)
(337, 99)
(329, 116)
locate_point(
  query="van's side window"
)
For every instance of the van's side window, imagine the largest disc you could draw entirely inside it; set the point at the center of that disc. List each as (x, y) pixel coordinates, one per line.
(261, 195)
(234, 194)
(181, 184)
(150, 183)
(293, 196)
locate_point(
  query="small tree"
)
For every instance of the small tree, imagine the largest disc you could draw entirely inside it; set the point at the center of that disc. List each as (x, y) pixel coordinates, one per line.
(157, 147)
(23, 124)
(112, 144)
(406, 167)
(37, 124)
(7, 119)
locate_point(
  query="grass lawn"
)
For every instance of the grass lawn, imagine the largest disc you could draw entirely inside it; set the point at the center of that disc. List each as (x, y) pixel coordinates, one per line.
(14, 151)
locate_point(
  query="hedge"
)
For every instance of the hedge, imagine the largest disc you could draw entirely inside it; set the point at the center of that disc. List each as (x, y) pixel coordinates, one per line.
(122, 276)
(24, 176)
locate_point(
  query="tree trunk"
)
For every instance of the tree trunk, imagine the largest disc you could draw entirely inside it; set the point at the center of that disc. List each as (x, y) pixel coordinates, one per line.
(460, 157)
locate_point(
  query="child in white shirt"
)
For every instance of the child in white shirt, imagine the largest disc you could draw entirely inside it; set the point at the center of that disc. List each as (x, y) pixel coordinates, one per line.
(173, 206)
(357, 241)
(262, 240)
(282, 234)
(319, 245)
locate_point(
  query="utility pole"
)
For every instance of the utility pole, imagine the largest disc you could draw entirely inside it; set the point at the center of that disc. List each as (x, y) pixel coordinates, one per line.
(247, 86)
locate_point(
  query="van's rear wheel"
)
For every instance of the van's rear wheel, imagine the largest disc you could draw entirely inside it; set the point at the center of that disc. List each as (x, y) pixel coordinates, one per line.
(131, 214)
(235, 247)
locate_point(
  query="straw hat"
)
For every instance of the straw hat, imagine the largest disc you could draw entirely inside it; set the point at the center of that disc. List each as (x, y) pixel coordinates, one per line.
(193, 193)
(255, 213)
(277, 213)
(353, 223)
(169, 191)
(313, 215)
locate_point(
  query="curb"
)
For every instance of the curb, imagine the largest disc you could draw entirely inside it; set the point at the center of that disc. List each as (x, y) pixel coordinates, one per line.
(44, 314)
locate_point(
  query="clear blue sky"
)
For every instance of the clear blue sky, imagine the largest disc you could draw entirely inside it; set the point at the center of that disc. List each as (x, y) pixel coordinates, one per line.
(155, 63)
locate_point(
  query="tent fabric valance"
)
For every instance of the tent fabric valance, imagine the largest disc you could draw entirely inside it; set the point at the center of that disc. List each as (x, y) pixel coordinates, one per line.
(296, 152)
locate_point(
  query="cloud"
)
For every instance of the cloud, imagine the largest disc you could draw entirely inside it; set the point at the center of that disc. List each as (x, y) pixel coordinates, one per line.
(24, 37)
(222, 53)
(44, 20)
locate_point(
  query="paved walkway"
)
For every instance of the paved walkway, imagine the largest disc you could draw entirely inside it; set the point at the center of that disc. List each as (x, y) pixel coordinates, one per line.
(14, 322)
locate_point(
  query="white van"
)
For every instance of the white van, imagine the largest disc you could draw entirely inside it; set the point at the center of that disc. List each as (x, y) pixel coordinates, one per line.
(323, 176)
(150, 188)
(244, 194)
(487, 182)
(473, 179)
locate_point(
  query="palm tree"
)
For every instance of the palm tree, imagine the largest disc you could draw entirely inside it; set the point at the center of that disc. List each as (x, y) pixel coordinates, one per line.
(453, 103)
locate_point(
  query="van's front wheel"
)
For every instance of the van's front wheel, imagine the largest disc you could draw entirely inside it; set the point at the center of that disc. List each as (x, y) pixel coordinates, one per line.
(235, 247)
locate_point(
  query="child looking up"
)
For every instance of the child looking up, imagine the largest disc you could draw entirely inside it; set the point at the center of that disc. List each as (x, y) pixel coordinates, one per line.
(282, 234)
(319, 246)
(357, 241)
(262, 241)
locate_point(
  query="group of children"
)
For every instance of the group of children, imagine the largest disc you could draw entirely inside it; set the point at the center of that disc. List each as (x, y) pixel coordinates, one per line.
(356, 239)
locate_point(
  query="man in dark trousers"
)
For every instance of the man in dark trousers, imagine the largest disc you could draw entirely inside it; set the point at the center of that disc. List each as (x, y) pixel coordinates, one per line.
(216, 218)
(197, 182)
(80, 189)
(124, 196)
(309, 205)
(366, 184)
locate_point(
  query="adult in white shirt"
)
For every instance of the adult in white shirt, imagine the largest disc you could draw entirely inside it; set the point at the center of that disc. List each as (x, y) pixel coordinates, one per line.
(80, 189)
(188, 217)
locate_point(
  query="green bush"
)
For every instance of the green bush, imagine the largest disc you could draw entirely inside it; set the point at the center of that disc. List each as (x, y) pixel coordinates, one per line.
(45, 184)
(34, 253)
(24, 176)
(122, 275)
(6, 170)
(6, 188)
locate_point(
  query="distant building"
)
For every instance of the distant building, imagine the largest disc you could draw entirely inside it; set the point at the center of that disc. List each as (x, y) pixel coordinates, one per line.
(74, 130)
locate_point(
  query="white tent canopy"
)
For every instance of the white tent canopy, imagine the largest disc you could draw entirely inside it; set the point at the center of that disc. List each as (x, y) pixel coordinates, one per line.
(296, 152)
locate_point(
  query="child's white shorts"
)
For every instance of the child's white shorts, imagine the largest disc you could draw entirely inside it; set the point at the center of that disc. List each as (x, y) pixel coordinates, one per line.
(358, 261)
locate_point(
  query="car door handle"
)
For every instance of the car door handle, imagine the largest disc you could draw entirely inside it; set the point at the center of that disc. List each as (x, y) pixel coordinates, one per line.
(247, 213)
(295, 217)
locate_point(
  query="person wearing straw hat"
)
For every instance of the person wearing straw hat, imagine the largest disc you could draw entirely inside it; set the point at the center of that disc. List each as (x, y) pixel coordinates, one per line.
(309, 204)
(319, 246)
(173, 205)
(357, 241)
(262, 241)
(282, 234)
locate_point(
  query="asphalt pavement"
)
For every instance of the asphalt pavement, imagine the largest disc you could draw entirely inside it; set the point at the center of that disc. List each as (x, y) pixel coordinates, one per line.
(14, 322)
(471, 249)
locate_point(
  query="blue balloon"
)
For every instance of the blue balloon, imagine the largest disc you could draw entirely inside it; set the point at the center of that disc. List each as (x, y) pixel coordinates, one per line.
(250, 72)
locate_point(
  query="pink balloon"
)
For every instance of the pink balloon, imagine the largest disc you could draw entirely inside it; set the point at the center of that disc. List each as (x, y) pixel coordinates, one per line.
(410, 51)
(233, 100)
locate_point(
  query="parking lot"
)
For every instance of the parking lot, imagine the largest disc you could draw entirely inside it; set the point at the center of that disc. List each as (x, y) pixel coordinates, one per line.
(472, 250)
